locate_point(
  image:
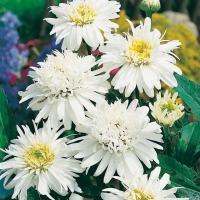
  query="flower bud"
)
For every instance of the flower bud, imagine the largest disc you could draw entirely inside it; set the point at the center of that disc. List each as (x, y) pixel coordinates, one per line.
(166, 110)
(150, 6)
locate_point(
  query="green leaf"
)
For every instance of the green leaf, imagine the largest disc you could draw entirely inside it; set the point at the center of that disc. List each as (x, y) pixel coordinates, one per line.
(113, 95)
(189, 92)
(90, 192)
(186, 146)
(197, 155)
(180, 175)
(186, 192)
(3, 139)
(33, 194)
(69, 134)
(88, 189)
(197, 150)
(8, 129)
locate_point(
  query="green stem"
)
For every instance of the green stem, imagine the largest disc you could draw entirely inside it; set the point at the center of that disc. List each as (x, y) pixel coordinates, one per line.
(137, 94)
(89, 50)
(35, 50)
(88, 196)
(167, 141)
(149, 14)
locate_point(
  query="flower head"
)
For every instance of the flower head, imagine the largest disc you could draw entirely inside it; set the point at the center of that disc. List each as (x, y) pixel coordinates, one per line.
(118, 138)
(142, 59)
(150, 5)
(166, 110)
(142, 188)
(39, 160)
(83, 19)
(63, 86)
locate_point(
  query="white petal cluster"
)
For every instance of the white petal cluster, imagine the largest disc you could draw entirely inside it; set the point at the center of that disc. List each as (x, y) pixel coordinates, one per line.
(39, 160)
(63, 86)
(142, 188)
(83, 20)
(142, 58)
(166, 110)
(118, 137)
(151, 2)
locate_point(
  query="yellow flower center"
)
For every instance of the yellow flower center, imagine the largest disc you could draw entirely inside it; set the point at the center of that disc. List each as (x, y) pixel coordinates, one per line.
(139, 194)
(83, 15)
(139, 52)
(38, 157)
(170, 106)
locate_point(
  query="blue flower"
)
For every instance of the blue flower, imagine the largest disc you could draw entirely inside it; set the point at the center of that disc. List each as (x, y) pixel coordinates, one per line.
(10, 20)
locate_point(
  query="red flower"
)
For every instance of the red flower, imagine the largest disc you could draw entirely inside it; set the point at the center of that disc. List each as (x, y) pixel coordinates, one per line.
(13, 78)
(31, 43)
(114, 71)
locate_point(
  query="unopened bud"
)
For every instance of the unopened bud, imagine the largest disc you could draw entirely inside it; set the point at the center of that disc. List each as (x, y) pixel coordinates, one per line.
(150, 6)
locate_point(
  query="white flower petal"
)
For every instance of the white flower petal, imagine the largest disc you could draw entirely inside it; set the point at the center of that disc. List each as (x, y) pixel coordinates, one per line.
(64, 86)
(83, 20)
(140, 185)
(51, 169)
(118, 138)
(147, 60)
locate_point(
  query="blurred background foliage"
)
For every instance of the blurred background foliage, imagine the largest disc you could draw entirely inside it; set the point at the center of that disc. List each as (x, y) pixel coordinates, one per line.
(29, 12)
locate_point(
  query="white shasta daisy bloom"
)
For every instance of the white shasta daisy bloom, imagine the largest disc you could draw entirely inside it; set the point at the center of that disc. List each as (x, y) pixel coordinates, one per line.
(83, 19)
(166, 110)
(142, 188)
(142, 59)
(63, 86)
(118, 137)
(40, 160)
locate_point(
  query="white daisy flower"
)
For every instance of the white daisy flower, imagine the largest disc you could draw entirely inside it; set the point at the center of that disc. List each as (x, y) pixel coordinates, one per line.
(142, 188)
(83, 19)
(39, 160)
(63, 86)
(144, 61)
(118, 137)
(166, 110)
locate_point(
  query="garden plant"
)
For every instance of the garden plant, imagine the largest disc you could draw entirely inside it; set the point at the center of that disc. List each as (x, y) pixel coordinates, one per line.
(105, 128)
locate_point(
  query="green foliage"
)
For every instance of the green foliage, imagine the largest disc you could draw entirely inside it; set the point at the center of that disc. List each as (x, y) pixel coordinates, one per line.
(3, 139)
(113, 95)
(88, 189)
(181, 176)
(189, 92)
(29, 13)
(20, 6)
(70, 134)
(186, 145)
(186, 192)
(197, 150)
(8, 129)
(33, 194)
